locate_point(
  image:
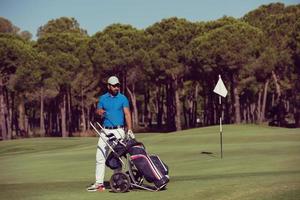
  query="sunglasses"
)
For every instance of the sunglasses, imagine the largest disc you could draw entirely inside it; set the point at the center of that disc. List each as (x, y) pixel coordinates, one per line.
(116, 85)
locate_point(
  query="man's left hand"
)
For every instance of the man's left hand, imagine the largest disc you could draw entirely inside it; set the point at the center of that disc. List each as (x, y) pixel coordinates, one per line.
(130, 134)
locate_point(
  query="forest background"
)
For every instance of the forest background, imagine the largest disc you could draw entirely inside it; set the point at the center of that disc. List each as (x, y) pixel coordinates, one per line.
(50, 87)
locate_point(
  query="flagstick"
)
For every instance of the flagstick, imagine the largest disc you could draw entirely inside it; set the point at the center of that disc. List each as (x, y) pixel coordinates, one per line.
(221, 130)
(221, 90)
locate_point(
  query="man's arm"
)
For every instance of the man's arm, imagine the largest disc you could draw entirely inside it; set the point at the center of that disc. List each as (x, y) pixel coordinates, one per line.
(100, 111)
(128, 118)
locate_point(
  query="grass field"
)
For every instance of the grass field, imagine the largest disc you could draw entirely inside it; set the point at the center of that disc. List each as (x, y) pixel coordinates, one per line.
(260, 163)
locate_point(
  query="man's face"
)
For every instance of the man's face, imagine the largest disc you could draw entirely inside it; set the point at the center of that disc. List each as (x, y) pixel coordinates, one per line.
(114, 89)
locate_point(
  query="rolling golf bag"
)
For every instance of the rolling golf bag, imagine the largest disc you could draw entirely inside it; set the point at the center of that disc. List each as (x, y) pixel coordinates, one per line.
(151, 166)
(141, 166)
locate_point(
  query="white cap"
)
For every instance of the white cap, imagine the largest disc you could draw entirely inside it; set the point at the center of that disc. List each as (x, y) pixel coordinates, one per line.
(113, 80)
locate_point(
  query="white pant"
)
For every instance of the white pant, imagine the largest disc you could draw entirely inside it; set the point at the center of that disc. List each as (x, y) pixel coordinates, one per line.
(103, 150)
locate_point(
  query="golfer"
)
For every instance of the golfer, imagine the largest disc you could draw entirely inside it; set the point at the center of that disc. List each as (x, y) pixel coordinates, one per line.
(112, 107)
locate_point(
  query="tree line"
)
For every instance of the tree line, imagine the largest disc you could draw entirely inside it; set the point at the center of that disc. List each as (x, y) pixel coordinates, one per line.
(50, 87)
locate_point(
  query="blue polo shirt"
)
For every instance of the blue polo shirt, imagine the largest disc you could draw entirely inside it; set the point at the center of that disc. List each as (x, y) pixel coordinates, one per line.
(113, 106)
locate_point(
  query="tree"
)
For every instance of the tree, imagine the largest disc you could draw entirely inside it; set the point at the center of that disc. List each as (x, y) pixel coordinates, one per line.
(229, 50)
(294, 43)
(24, 83)
(61, 25)
(15, 54)
(278, 24)
(119, 50)
(7, 27)
(26, 35)
(84, 84)
(60, 39)
(168, 41)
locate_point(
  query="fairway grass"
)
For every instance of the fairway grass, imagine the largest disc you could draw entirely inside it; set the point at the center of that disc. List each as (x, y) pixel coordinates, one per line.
(259, 163)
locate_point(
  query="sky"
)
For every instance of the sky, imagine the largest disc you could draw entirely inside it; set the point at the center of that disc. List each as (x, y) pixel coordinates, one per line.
(95, 15)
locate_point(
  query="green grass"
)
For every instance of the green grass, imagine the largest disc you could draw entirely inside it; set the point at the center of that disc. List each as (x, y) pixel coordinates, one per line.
(260, 163)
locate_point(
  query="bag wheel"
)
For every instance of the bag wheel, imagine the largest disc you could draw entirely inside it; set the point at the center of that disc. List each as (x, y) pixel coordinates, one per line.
(119, 182)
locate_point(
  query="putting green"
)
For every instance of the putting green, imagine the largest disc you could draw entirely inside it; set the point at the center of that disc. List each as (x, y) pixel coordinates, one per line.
(260, 163)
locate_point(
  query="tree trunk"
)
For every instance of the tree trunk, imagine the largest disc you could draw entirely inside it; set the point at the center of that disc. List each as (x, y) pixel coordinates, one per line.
(149, 111)
(244, 108)
(216, 116)
(185, 111)
(273, 100)
(132, 95)
(27, 127)
(227, 114)
(160, 113)
(2, 112)
(83, 121)
(146, 106)
(50, 124)
(287, 105)
(258, 111)
(237, 112)
(88, 118)
(42, 119)
(177, 103)
(249, 113)
(170, 107)
(10, 113)
(69, 118)
(160, 104)
(263, 111)
(63, 117)
(211, 109)
(205, 107)
(58, 124)
(124, 82)
(7, 115)
(195, 104)
(21, 118)
(277, 86)
(188, 113)
(252, 110)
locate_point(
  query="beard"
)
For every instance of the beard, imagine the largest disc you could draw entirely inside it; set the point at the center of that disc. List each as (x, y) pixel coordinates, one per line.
(114, 92)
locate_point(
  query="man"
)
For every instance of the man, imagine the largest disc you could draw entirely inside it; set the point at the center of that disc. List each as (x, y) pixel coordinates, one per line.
(112, 107)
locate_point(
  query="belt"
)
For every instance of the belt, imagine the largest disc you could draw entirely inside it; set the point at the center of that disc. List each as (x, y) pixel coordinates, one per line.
(113, 127)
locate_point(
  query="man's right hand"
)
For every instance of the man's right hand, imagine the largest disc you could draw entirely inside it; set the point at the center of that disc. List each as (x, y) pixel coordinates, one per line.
(100, 112)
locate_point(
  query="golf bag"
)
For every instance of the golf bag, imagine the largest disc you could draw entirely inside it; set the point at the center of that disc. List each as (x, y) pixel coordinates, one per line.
(153, 169)
(139, 166)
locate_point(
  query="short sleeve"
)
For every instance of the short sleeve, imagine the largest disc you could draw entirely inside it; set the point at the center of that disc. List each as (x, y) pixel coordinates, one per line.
(125, 102)
(100, 103)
